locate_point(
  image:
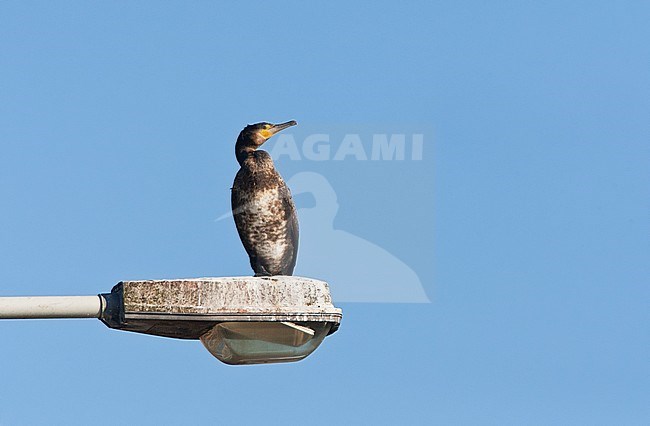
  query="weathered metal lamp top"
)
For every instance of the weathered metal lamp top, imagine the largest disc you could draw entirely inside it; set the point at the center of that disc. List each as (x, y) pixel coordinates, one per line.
(187, 308)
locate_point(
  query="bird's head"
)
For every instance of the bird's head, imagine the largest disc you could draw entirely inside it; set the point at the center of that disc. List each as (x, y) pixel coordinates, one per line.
(254, 135)
(260, 132)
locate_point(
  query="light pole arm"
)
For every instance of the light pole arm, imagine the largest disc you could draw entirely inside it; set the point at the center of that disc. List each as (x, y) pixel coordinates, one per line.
(50, 307)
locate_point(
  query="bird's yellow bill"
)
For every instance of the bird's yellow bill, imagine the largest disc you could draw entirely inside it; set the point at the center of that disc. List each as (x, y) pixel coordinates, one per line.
(267, 133)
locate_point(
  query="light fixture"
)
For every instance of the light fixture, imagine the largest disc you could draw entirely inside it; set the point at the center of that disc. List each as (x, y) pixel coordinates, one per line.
(240, 320)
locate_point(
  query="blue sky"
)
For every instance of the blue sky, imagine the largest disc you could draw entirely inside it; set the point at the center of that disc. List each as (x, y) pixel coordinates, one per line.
(524, 222)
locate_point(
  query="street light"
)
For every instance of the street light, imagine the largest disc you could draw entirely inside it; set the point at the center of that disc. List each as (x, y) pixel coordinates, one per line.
(240, 320)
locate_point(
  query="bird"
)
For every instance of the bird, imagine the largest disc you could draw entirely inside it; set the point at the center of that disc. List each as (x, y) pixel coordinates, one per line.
(264, 212)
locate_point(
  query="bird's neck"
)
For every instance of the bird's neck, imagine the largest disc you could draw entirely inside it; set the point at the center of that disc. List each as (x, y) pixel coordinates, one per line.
(242, 153)
(245, 147)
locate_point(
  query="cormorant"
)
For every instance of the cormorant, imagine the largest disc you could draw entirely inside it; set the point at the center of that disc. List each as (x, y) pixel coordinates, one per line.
(262, 206)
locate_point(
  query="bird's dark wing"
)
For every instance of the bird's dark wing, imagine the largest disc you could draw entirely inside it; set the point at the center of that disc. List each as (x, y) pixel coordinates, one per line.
(239, 204)
(290, 257)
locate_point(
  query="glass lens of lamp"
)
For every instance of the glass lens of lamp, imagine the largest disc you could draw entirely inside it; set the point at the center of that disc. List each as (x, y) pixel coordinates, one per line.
(264, 342)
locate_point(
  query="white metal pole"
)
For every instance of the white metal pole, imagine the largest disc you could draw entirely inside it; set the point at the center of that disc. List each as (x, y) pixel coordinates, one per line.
(50, 307)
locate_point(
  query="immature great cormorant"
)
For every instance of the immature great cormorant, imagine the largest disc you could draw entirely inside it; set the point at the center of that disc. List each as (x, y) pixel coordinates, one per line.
(262, 206)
